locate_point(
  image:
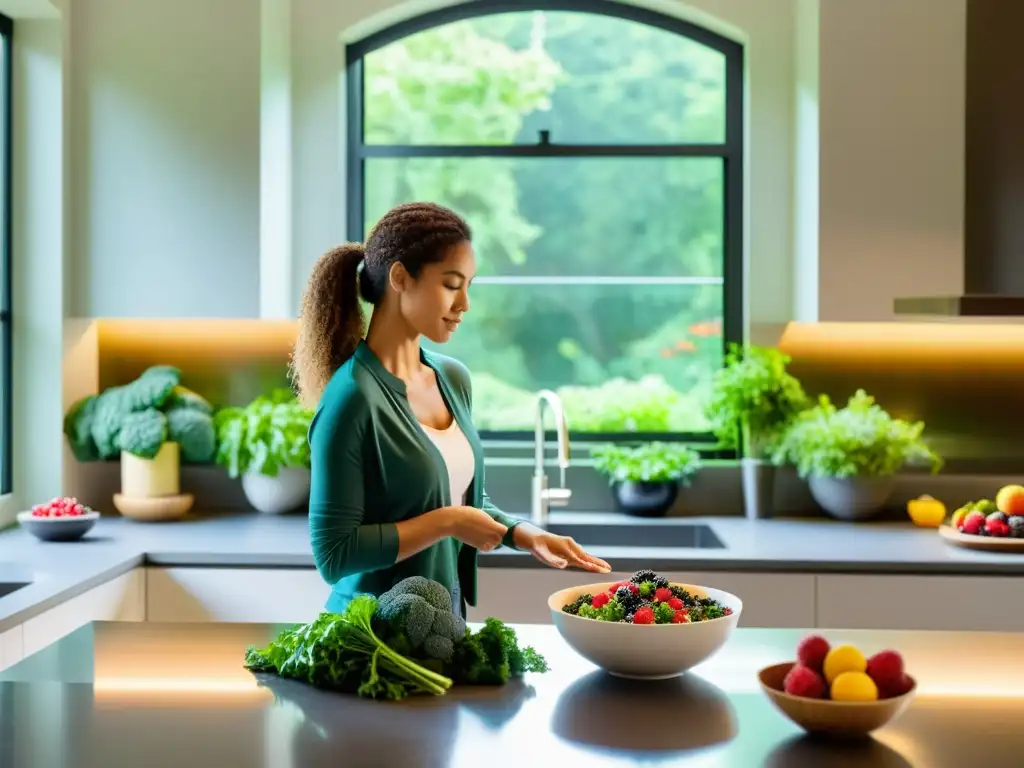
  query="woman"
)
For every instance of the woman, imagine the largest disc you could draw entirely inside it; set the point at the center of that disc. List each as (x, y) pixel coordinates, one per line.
(397, 467)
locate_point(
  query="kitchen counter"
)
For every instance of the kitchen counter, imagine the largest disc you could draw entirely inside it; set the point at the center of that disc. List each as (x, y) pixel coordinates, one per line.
(57, 572)
(128, 694)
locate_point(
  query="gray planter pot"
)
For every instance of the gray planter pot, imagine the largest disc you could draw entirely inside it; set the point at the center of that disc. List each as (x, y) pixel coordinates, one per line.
(758, 489)
(645, 499)
(852, 498)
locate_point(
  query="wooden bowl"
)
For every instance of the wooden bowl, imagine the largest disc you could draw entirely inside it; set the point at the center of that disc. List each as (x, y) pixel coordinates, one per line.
(155, 508)
(824, 716)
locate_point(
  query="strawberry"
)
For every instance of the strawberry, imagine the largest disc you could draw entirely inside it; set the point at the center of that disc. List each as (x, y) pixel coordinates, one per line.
(600, 599)
(679, 618)
(973, 523)
(644, 615)
(997, 528)
(663, 594)
(675, 604)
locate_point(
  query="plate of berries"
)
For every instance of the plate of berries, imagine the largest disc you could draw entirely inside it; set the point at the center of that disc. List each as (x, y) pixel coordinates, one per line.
(988, 525)
(62, 518)
(646, 626)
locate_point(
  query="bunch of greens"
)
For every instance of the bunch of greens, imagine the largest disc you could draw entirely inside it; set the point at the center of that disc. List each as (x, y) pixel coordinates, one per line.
(264, 436)
(753, 399)
(400, 644)
(860, 440)
(139, 417)
(648, 463)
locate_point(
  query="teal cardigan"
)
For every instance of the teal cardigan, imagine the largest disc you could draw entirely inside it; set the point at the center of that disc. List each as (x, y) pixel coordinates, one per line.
(372, 466)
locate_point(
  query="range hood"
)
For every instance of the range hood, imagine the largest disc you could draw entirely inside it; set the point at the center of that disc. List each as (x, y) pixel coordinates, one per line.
(994, 173)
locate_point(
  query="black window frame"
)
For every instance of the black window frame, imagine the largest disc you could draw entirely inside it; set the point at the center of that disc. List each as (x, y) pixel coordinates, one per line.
(6, 245)
(731, 151)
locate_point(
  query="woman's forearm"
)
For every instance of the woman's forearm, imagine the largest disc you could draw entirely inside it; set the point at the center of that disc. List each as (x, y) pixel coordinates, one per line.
(421, 532)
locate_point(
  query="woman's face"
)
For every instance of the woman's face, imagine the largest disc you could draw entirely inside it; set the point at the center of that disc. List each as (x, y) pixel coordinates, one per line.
(433, 303)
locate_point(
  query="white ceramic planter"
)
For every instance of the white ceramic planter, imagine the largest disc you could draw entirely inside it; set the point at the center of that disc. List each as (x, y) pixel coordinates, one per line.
(285, 492)
(852, 498)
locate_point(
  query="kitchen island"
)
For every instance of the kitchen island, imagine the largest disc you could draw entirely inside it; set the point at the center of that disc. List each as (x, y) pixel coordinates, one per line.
(130, 694)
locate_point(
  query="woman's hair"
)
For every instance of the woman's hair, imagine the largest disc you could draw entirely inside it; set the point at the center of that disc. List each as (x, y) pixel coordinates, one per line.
(331, 322)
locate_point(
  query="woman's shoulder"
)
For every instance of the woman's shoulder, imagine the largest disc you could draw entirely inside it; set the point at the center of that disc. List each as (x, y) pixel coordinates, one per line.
(343, 403)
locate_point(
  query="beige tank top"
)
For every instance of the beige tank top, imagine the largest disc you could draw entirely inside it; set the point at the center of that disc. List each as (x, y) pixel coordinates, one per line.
(458, 458)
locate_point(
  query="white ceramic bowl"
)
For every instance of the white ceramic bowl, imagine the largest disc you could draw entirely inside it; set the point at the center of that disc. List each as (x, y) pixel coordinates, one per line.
(644, 651)
(69, 528)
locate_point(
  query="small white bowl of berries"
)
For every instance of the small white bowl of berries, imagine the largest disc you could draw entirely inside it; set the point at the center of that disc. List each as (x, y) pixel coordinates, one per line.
(62, 518)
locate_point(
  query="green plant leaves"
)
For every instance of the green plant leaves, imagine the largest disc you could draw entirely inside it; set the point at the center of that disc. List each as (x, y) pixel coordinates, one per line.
(268, 434)
(860, 440)
(648, 463)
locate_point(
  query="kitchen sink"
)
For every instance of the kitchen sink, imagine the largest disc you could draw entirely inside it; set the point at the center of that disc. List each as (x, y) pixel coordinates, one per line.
(640, 534)
(7, 587)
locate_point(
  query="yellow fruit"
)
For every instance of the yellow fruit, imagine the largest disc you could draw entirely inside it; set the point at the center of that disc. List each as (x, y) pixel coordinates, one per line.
(843, 658)
(854, 686)
(1010, 500)
(926, 511)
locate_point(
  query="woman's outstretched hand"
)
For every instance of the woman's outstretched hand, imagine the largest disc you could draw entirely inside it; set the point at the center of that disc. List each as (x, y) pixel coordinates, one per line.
(557, 551)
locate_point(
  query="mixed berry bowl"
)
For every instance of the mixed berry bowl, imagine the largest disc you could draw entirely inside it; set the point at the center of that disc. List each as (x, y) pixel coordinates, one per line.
(60, 519)
(645, 627)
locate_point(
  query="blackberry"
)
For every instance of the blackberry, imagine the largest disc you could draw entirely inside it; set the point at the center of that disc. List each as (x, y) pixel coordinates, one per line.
(1016, 524)
(707, 602)
(660, 582)
(627, 599)
(629, 618)
(574, 606)
(688, 600)
(643, 575)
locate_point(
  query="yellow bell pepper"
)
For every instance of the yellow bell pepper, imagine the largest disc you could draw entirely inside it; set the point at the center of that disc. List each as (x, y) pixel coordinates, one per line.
(926, 511)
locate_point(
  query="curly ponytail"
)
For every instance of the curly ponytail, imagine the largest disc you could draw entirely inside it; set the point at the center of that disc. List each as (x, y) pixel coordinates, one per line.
(331, 322)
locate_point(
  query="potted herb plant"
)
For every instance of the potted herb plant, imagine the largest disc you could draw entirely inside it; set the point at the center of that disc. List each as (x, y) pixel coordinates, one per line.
(850, 456)
(753, 399)
(265, 443)
(645, 478)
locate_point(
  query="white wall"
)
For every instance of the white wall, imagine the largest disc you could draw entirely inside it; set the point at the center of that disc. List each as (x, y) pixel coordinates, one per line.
(165, 100)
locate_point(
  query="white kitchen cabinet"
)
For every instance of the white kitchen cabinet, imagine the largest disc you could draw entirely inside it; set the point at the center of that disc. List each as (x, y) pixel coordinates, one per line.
(519, 595)
(983, 603)
(11, 651)
(271, 595)
(120, 599)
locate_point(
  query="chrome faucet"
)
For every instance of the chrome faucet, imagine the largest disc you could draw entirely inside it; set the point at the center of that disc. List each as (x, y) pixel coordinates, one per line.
(543, 497)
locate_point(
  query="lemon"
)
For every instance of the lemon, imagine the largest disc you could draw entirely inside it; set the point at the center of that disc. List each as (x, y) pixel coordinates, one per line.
(843, 658)
(854, 686)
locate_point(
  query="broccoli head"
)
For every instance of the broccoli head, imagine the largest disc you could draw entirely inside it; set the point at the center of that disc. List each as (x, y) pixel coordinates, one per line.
(142, 433)
(78, 429)
(421, 610)
(193, 431)
(183, 397)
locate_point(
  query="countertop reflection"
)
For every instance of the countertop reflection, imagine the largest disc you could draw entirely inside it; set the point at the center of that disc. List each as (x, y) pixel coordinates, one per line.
(149, 694)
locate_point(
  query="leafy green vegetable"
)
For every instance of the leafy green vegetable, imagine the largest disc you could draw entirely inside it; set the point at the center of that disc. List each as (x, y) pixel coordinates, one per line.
(269, 433)
(859, 440)
(613, 610)
(342, 652)
(754, 399)
(139, 417)
(649, 463)
(492, 655)
(663, 613)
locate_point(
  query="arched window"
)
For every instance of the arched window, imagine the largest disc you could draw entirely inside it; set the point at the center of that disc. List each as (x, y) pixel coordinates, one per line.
(6, 384)
(596, 149)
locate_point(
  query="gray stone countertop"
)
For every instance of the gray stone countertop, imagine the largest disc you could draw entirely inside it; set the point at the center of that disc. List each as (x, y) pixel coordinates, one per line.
(56, 572)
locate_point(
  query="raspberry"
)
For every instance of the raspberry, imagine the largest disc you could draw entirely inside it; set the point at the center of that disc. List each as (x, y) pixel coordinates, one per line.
(680, 618)
(997, 528)
(803, 681)
(973, 523)
(600, 599)
(644, 615)
(811, 652)
(675, 604)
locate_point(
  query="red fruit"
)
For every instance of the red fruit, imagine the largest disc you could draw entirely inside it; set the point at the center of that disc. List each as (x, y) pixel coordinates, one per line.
(663, 594)
(894, 689)
(885, 668)
(727, 611)
(680, 617)
(804, 681)
(601, 598)
(675, 604)
(811, 652)
(997, 528)
(644, 615)
(973, 523)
